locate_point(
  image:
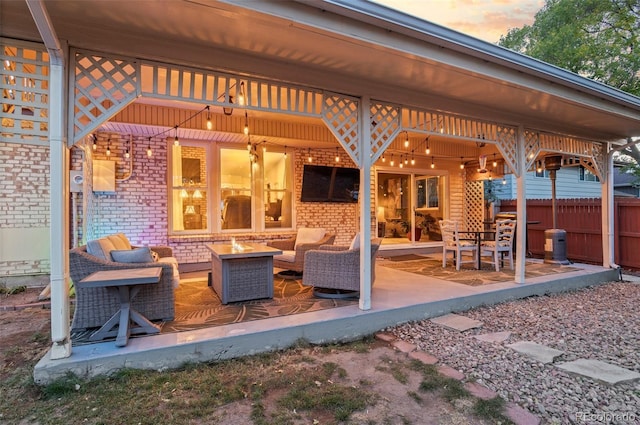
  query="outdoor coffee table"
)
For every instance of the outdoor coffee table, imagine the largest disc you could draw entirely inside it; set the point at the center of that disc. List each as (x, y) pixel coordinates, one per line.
(126, 283)
(241, 272)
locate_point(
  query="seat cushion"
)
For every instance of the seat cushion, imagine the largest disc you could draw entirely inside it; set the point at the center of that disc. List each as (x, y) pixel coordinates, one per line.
(119, 241)
(355, 242)
(309, 235)
(288, 256)
(101, 248)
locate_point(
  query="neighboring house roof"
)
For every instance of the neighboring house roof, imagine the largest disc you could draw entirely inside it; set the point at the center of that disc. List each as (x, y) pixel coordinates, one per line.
(621, 178)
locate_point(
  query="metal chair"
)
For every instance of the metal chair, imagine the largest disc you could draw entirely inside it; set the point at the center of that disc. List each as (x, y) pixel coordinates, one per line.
(502, 244)
(451, 242)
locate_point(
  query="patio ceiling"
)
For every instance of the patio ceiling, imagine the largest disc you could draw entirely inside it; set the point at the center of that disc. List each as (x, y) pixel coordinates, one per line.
(398, 59)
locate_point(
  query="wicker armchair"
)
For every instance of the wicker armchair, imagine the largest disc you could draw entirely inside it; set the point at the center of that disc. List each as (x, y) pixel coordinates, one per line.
(337, 268)
(296, 253)
(94, 306)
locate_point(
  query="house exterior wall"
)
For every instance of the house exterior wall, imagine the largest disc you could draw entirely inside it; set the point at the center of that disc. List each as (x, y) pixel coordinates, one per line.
(24, 210)
(568, 186)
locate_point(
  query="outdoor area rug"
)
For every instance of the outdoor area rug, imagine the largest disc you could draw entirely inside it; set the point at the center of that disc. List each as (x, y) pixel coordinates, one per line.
(468, 275)
(198, 306)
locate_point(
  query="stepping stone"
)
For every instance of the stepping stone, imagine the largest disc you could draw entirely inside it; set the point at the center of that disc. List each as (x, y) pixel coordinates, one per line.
(403, 346)
(479, 391)
(601, 371)
(538, 352)
(425, 358)
(520, 416)
(494, 337)
(456, 322)
(385, 336)
(450, 372)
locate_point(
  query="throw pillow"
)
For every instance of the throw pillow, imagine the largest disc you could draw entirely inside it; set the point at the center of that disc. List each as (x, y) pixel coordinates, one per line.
(101, 248)
(138, 255)
(309, 235)
(155, 256)
(355, 243)
(118, 242)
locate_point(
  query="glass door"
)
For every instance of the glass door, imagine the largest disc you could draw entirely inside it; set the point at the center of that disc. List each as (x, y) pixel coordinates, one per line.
(394, 207)
(428, 208)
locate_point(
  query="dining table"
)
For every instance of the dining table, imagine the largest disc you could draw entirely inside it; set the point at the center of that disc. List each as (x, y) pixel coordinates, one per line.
(477, 236)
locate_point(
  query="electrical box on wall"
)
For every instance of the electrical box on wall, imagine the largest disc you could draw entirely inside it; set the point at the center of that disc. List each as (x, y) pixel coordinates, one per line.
(76, 178)
(104, 176)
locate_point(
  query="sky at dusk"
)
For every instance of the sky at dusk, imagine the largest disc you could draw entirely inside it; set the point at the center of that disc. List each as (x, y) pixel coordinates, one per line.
(483, 19)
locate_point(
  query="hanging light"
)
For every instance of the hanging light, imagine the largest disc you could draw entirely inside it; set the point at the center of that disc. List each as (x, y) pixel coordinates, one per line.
(495, 162)
(209, 123)
(126, 153)
(461, 163)
(504, 180)
(392, 162)
(241, 98)
(309, 159)
(285, 151)
(400, 163)
(95, 143)
(427, 150)
(246, 123)
(176, 141)
(249, 145)
(109, 147)
(413, 160)
(432, 164)
(383, 158)
(149, 151)
(337, 155)
(406, 140)
(406, 159)
(228, 110)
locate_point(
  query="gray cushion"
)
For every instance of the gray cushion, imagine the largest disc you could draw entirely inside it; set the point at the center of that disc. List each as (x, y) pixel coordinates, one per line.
(138, 255)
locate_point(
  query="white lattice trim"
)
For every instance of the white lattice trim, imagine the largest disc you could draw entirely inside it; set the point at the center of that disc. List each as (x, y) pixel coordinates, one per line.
(385, 126)
(340, 114)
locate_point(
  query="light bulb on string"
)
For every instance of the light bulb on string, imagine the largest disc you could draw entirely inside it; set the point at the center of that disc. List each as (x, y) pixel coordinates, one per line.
(149, 151)
(176, 141)
(427, 150)
(383, 158)
(246, 124)
(209, 123)
(337, 155)
(495, 162)
(109, 147)
(285, 151)
(406, 140)
(406, 159)
(432, 164)
(241, 96)
(95, 143)
(461, 163)
(309, 159)
(392, 162)
(413, 160)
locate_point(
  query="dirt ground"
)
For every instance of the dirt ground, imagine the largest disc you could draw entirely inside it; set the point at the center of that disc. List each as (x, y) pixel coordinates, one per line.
(25, 337)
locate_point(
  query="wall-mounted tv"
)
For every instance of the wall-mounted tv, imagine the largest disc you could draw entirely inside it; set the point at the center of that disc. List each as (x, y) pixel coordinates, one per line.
(330, 184)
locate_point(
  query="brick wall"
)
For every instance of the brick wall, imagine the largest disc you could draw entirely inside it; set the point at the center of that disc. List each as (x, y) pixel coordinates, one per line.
(24, 206)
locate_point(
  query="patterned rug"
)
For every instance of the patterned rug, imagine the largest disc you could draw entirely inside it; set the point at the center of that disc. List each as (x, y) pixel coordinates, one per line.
(467, 275)
(198, 306)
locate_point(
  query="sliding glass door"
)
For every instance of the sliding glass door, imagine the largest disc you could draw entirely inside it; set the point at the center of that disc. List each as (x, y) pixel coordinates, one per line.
(408, 207)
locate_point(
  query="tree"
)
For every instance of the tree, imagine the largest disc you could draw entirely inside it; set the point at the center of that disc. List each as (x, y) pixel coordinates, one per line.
(597, 39)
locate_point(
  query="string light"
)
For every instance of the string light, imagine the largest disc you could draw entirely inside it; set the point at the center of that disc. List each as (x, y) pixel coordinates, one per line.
(383, 158)
(406, 159)
(309, 159)
(109, 147)
(495, 163)
(504, 180)
(246, 124)
(337, 155)
(95, 143)
(413, 160)
(176, 142)
(461, 163)
(427, 150)
(392, 162)
(285, 151)
(406, 140)
(241, 98)
(149, 151)
(432, 164)
(209, 123)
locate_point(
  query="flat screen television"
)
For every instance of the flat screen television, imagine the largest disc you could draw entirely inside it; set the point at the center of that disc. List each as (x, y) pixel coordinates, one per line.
(330, 184)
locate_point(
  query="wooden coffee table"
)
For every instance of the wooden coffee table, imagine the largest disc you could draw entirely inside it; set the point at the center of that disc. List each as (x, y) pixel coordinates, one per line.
(126, 283)
(242, 273)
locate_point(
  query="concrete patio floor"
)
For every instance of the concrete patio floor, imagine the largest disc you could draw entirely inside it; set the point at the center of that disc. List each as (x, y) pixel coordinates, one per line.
(397, 297)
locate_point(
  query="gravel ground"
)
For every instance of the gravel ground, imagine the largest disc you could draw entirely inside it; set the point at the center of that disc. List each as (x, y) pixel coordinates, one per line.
(600, 323)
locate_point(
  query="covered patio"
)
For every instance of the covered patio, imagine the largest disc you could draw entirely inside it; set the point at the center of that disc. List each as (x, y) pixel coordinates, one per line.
(397, 297)
(332, 82)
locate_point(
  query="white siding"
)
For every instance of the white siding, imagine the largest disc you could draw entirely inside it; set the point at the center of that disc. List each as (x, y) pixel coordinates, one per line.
(568, 186)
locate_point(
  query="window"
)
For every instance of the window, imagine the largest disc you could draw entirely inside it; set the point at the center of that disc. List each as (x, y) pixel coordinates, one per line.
(587, 176)
(428, 192)
(277, 190)
(542, 174)
(232, 203)
(189, 189)
(235, 189)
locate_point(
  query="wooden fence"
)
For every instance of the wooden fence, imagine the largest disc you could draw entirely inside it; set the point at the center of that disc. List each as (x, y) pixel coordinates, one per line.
(582, 220)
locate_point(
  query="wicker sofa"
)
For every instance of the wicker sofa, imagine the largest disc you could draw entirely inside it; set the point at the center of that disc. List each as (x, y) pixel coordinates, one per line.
(94, 306)
(337, 268)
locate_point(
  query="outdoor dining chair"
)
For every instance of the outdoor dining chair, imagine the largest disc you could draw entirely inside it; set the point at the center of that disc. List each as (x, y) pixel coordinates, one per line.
(451, 243)
(502, 245)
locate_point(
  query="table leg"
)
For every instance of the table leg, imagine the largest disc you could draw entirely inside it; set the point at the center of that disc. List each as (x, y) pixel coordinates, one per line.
(125, 309)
